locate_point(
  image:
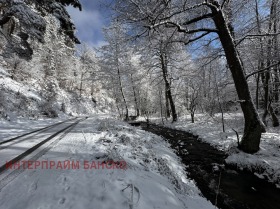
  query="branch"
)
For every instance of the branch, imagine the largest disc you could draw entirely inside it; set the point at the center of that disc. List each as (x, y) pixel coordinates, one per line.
(182, 29)
(212, 4)
(262, 70)
(256, 35)
(185, 9)
(197, 38)
(223, 4)
(194, 20)
(185, 30)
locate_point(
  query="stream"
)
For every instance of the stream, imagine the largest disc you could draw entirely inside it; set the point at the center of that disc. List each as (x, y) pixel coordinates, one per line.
(225, 187)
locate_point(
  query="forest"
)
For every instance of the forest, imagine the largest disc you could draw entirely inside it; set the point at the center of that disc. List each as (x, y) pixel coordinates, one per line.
(209, 67)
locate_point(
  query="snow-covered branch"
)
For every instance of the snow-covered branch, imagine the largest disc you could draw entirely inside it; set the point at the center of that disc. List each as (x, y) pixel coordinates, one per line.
(255, 36)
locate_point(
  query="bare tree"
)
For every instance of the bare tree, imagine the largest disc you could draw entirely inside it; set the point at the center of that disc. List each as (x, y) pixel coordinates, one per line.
(164, 67)
(113, 58)
(197, 20)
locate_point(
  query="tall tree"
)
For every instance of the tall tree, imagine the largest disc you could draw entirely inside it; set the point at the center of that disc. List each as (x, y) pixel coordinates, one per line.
(114, 57)
(163, 55)
(266, 77)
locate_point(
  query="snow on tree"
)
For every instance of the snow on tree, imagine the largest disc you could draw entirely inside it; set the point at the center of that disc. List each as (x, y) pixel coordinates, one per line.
(25, 22)
(198, 20)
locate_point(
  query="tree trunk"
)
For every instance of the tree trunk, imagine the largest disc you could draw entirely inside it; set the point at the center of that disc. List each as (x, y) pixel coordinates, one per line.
(81, 83)
(275, 121)
(192, 117)
(160, 103)
(220, 104)
(122, 93)
(168, 87)
(135, 97)
(276, 85)
(261, 57)
(167, 108)
(117, 104)
(276, 54)
(268, 97)
(266, 78)
(257, 91)
(253, 125)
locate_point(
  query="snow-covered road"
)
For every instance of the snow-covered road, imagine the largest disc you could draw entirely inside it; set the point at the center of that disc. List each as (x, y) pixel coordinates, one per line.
(153, 176)
(12, 148)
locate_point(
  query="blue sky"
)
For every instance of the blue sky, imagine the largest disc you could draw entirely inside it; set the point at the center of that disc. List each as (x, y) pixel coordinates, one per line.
(91, 20)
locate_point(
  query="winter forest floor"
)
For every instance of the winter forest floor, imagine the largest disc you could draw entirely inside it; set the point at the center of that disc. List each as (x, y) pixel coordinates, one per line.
(264, 164)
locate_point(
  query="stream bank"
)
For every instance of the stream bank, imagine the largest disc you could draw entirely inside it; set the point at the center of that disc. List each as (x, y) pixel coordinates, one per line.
(224, 186)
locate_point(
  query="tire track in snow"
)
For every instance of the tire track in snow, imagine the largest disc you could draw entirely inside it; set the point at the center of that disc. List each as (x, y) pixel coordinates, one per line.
(15, 173)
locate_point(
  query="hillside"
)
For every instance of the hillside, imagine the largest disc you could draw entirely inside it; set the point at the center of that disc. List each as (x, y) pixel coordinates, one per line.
(29, 101)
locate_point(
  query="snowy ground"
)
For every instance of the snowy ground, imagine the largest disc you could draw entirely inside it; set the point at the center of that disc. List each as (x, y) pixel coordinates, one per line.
(18, 126)
(264, 163)
(154, 177)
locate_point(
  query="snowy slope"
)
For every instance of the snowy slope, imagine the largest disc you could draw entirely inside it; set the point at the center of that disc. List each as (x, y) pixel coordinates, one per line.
(154, 177)
(27, 100)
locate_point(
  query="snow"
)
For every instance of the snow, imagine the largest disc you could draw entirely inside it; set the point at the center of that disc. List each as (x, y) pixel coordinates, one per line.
(3, 73)
(28, 100)
(154, 177)
(11, 85)
(19, 126)
(15, 148)
(265, 163)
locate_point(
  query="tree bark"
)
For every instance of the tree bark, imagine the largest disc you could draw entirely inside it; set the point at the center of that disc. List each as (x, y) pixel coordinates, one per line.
(122, 93)
(266, 78)
(253, 125)
(192, 117)
(167, 108)
(168, 87)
